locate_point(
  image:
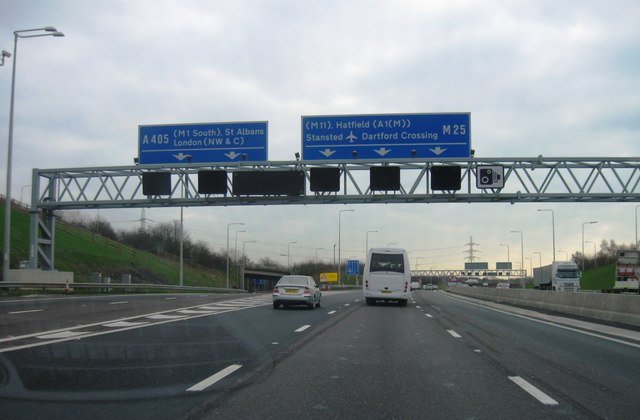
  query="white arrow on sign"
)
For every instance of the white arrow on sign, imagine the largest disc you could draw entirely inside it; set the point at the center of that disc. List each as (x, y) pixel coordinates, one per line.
(438, 150)
(382, 151)
(232, 155)
(327, 152)
(181, 156)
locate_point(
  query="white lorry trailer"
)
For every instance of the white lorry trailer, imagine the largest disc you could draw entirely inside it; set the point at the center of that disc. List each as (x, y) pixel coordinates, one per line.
(563, 276)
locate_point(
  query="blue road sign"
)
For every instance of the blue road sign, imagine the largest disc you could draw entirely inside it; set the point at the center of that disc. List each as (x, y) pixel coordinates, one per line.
(387, 136)
(203, 143)
(353, 267)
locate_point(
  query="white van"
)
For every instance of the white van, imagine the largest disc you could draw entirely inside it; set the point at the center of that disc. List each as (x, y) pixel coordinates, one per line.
(387, 276)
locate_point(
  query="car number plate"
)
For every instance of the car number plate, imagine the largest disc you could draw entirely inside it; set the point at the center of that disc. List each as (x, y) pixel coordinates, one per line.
(291, 291)
(386, 291)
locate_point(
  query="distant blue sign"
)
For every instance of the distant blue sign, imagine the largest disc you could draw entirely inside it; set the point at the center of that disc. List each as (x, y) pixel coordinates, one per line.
(203, 143)
(387, 136)
(353, 267)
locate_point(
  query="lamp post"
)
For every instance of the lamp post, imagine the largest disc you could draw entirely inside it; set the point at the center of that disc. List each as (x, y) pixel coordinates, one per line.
(339, 241)
(553, 231)
(228, 226)
(508, 257)
(521, 249)
(636, 214)
(595, 262)
(243, 249)
(235, 256)
(366, 244)
(530, 265)
(289, 255)
(48, 31)
(539, 258)
(584, 223)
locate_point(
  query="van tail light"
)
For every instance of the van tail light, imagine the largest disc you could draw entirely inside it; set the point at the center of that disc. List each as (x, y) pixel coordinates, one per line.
(307, 291)
(405, 286)
(366, 284)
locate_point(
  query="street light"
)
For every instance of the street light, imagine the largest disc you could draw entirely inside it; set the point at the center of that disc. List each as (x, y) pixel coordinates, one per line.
(49, 31)
(539, 258)
(553, 231)
(508, 257)
(289, 256)
(243, 245)
(366, 244)
(595, 262)
(584, 223)
(235, 256)
(229, 225)
(4, 55)
(521, 249)
(339, 240)
(636, 214)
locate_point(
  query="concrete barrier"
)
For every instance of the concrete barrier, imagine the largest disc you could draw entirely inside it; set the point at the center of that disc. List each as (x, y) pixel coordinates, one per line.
(623, 308)
(40, 276)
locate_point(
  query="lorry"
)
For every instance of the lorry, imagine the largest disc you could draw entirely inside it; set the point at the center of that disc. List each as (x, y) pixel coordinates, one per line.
(563, 276)
(627, 272)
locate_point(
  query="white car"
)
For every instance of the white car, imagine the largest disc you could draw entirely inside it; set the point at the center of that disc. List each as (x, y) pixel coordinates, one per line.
(415, 285)
(296, 290)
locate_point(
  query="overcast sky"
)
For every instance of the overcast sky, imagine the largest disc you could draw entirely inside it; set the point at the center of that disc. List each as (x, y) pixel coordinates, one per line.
(556, 78)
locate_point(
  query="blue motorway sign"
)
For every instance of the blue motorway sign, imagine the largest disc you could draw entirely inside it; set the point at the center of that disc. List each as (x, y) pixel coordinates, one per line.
(386, 136)
(352, 267)
(203, 143)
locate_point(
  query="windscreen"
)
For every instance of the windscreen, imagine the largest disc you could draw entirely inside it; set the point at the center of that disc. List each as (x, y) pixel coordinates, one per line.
(567, 273)
(387, 262)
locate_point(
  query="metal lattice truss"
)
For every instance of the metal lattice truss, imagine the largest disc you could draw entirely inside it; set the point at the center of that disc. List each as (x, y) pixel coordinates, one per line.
(525, 180)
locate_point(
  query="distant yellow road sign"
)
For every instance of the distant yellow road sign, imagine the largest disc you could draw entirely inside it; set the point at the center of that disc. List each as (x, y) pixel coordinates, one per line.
(328, 277)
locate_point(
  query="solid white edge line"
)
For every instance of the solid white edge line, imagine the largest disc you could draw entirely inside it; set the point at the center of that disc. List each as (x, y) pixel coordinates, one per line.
(533, 391)
(541, 321)
(304, 327)
(25, 312)
(331, 312)
(214, 378)
(454, 334)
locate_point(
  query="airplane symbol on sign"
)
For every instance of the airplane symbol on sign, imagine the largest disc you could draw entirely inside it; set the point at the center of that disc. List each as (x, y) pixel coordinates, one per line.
(351, 137)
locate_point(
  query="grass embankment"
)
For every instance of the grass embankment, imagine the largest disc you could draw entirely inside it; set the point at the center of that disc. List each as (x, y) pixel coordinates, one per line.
(599, 278)
(81, 252)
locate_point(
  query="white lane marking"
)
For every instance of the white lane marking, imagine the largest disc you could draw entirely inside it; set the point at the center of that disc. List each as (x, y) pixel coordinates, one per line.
(418, 306)
(170, 298)
(331, 313)
(192, 312)
(25, 312)
(64, 336)
(429, 315)
(214, 378)
(533, 391)
(304, 327)
(161, 316)
(454, 334)
(347, 304)
(61, 334)
(118, 303)
(123, 324)
(552, 324)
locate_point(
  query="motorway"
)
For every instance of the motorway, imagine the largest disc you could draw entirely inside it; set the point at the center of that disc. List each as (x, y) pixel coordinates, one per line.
(171, 356)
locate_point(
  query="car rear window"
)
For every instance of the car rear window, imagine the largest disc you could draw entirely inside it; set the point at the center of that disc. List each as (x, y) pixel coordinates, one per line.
(298, 281)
